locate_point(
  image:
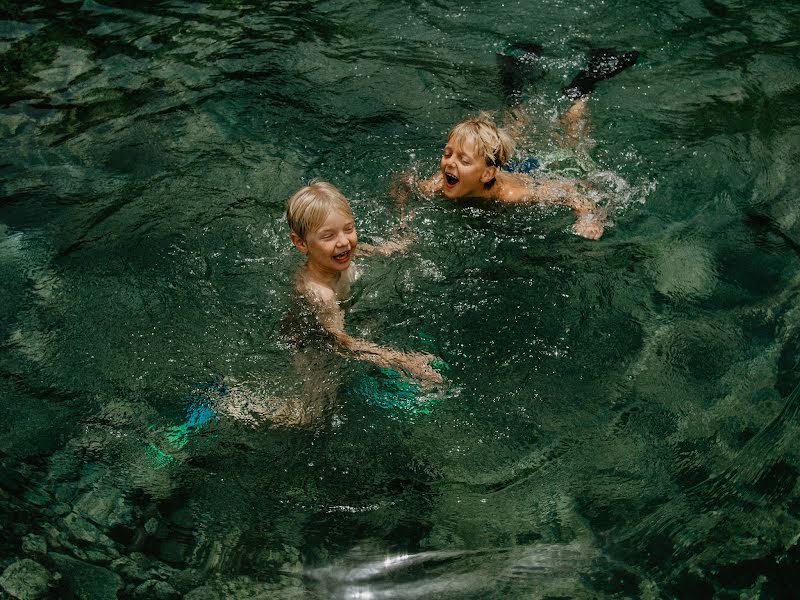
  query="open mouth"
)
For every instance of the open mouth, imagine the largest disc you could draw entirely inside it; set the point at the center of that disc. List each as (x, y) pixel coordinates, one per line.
(343, 257)
(451, 179)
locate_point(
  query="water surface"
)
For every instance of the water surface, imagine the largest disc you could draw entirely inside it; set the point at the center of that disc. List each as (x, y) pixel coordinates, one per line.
(620, 416)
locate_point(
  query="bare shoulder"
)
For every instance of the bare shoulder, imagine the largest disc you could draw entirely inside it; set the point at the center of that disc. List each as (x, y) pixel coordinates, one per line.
(316, 294)
(324, 302)
(516, 187)
(320, 294)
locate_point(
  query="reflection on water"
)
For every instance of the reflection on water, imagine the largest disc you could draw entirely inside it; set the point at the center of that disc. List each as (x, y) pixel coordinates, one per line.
(619, 418)
(546, 569)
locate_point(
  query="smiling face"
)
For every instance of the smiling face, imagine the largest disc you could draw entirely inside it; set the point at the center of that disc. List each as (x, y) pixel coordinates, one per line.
(329, 247)
(464, 169)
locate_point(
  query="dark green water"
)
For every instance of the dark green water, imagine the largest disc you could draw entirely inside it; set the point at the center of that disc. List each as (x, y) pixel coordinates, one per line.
(621, 416)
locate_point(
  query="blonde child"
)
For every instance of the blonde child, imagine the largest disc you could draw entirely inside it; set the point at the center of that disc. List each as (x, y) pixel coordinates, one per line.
(475, 162)
(323, 228)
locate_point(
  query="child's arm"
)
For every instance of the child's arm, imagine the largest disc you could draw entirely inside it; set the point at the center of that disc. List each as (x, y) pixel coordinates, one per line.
(331, 317)
(402, 187)
(431, 186)
(590, 219)
(385, 249)
(406, 184)
(415, 363)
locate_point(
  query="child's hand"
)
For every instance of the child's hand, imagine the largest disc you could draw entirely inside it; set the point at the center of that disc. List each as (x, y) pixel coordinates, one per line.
(395, 246)
(590, 225)
(401, 188)
(399, 245)
(418, 365)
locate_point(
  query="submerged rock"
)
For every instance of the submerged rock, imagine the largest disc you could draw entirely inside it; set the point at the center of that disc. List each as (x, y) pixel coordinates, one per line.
(86, 581)
(106, 506)
(25, 579)
(138, 567)
(160, 590)
(34, 545)
(185, 580)
(53, 537)
(82, 530)
(245, 588)
(101, 558)
(133, 567)
(204, 592)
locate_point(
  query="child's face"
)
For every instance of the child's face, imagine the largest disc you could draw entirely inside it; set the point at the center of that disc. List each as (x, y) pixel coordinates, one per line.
(464, 170)
(331, 246)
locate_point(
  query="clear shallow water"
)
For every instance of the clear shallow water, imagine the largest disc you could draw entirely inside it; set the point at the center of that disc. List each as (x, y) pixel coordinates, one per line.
(620, 419)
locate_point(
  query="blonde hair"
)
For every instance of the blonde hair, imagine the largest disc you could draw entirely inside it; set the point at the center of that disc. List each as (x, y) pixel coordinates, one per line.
(308, 207)
(493, 142)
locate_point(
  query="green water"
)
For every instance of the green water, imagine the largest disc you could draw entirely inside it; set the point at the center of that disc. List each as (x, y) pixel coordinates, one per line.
(620, 416)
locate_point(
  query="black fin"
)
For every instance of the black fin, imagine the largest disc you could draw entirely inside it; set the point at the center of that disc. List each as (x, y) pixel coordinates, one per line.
(604, 63)
(518, 65)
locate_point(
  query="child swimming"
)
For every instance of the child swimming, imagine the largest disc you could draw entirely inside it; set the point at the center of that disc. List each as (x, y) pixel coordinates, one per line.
(476, 161)
(323, 228)
(472, 166)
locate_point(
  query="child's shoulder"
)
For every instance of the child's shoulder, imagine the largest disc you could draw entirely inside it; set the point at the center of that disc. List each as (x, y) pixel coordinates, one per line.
(319, 293)
(313, 291)
(516, 187)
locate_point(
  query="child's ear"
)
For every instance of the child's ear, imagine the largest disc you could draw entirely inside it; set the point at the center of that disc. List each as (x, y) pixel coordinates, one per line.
(299, 242)
(489, 173)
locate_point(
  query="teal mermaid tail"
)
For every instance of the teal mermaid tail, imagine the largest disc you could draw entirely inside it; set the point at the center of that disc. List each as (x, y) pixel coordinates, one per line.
(390, 390)
(200, 412)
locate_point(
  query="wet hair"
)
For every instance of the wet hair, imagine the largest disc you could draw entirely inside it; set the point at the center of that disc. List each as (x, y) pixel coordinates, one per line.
(308, 207)
(493, 142)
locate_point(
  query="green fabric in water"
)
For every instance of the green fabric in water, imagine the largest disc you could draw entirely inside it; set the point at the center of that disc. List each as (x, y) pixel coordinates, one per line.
(390, 390)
